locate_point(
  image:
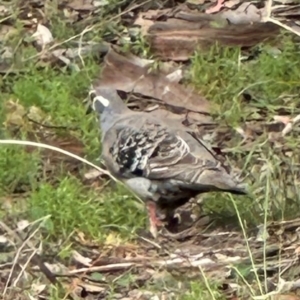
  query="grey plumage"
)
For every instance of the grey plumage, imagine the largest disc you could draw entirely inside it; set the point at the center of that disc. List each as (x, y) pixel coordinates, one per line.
(161, 161)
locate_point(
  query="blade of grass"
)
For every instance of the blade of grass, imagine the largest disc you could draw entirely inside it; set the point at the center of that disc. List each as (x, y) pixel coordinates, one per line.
(247, 243)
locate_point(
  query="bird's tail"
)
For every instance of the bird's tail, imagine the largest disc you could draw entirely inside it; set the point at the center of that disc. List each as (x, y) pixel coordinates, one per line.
(219, 180)
(225, 182)
(239, 189)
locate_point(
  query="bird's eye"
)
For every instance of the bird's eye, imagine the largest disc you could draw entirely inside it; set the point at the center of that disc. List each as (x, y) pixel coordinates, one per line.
(92, 95)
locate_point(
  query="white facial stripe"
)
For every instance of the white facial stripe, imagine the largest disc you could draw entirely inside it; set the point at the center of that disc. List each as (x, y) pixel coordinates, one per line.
(103, 100)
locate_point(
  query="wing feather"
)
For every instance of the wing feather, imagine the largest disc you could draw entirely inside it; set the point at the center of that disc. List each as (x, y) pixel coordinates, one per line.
(156, 152)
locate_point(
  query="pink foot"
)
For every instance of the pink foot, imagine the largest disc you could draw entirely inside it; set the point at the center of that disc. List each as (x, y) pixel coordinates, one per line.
(154, 221)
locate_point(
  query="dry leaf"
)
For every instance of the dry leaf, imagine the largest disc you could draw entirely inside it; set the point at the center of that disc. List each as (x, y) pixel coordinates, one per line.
(92, 174)
(175, 76)
(57, 268)
(123, 74)
(43, 35)
(297, 250)
(141, 62)
(283, 119)
(285, 297)
(286, 1)
(195, 2)
(196, 118)
(99, 3)
(246, 13)
(81, 259)
(7, 53)
(15, 114)
(22, 224)
(143, 22)
(288, 121)
(296, 119)
(287, 129)
(146, 18)
(71, 14)
(3, 9)
(241, 131)
(113, 239)
(91, 287)
(166, 114)
(36, 289)
(36, 114)
(80, 5)
(3, 240)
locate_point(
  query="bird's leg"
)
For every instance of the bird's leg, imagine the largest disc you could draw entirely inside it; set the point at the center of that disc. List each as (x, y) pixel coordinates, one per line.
(154, 221)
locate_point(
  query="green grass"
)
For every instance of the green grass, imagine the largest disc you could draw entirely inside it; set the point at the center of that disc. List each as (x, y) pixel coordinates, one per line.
(273, 82)
(200, 291)
(75, 207)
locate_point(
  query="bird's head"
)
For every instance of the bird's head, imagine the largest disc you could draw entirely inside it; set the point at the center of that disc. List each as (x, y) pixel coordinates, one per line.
(101, 99)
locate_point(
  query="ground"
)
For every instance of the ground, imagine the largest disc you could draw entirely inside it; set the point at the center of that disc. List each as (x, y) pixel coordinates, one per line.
(66, 233)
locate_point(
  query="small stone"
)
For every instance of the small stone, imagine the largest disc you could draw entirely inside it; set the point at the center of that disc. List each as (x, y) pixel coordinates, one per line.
(22, 224)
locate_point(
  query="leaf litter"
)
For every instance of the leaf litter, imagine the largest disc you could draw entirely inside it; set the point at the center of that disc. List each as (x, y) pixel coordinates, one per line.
(186, 255)
(129, 76)
(179, 259)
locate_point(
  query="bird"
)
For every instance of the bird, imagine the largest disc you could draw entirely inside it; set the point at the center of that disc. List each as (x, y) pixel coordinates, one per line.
(162, 162)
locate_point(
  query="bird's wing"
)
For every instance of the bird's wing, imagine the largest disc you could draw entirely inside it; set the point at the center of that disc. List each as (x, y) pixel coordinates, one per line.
(156, 152)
